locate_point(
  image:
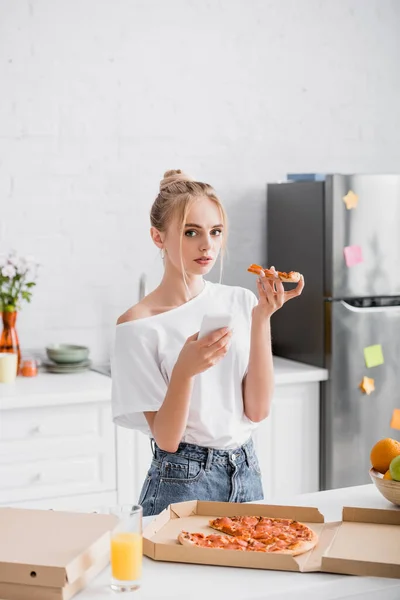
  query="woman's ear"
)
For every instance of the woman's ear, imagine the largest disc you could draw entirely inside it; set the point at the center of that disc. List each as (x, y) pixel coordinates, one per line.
(157, 237)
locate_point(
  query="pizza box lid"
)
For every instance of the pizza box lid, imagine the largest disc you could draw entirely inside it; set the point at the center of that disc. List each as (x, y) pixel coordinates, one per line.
(367, 542)
(51, 548)
(160, 536)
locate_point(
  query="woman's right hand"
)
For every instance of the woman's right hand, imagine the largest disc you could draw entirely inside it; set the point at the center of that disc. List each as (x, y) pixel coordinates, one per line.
(198, 356)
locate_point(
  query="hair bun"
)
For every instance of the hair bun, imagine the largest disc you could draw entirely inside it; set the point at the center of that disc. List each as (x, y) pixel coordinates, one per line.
(172, 177)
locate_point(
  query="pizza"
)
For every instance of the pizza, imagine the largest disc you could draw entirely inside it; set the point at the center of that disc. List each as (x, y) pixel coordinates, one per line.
(221, 542)
(291, 277)
(212, 541)
(255, 534)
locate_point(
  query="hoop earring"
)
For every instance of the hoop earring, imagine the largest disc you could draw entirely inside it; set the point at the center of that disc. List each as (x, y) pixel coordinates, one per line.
(162, 253)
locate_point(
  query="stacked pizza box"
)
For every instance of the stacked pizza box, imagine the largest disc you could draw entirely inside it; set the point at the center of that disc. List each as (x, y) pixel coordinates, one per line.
(51, 555)
(295, 538)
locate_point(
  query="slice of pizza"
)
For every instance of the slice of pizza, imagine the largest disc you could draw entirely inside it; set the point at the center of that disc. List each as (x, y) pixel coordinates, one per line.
(283, 545)
(241, 527)
(217, 541)
(291, 277)
(268, 526)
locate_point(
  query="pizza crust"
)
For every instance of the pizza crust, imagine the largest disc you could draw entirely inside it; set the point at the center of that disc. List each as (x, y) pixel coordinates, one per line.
(184, 539)
(293, 277)
(301, 546)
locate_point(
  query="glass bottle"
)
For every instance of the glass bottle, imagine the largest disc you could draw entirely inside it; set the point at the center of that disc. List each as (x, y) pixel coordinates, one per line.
(9, 341)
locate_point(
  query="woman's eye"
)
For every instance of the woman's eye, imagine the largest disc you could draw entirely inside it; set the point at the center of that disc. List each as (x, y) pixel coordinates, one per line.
(216, 232)
(190, 233)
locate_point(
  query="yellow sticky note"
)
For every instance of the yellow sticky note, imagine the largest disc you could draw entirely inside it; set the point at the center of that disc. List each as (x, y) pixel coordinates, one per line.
(350, 200)
(373, 355)
(395, 422)
(367, 385)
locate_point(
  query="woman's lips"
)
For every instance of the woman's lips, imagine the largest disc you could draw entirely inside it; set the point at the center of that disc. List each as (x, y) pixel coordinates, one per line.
(203, 261)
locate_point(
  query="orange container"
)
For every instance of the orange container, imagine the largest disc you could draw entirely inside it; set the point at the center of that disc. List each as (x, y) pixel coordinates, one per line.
(28, 368)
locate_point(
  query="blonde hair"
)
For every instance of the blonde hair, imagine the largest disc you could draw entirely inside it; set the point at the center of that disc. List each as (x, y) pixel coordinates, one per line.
(178, 192)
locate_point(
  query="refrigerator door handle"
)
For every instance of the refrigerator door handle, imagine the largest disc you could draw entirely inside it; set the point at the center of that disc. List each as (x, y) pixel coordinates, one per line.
(370, 309)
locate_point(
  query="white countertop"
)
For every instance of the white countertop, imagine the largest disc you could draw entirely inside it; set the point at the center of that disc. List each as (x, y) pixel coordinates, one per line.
(163, 580)
(48, 389)
(290, 371)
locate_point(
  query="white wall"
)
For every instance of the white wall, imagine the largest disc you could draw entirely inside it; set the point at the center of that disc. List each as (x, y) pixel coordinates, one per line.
(99, 97)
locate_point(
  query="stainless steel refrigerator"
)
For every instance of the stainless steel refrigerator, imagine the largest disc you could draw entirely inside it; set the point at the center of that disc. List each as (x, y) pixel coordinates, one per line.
(343, 234)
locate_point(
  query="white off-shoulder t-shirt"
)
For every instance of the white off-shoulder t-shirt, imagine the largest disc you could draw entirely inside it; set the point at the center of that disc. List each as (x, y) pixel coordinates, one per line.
(146, 350)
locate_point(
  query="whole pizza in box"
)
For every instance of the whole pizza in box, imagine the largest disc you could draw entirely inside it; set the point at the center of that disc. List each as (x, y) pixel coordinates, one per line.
(255, 534)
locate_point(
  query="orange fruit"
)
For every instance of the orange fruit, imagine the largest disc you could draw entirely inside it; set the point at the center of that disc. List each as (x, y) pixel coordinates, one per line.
(383, 453)
(387, 475)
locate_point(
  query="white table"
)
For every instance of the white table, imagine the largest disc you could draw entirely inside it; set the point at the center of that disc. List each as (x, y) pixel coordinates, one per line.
(163, 580)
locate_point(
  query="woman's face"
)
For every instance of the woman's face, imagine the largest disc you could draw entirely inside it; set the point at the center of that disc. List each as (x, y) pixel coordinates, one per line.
(201, 241)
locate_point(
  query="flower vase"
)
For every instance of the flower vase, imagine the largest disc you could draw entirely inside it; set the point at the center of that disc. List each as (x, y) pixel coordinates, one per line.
(9, 337)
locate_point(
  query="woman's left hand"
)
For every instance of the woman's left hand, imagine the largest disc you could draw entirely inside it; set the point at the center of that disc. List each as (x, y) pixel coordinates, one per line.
(272, 295)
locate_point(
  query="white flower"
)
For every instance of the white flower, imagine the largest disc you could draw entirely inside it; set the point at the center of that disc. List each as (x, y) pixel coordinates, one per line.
(22, 266)
(8, 271)
(3, 260)
(13, 259)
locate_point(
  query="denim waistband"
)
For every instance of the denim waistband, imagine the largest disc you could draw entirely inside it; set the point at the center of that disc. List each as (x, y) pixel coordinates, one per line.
(208, 455)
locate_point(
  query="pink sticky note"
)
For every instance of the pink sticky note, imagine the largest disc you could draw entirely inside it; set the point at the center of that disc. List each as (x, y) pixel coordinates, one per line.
(352, 255)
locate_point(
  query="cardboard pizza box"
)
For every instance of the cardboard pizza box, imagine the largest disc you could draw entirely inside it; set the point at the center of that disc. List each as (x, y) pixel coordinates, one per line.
(367, 542)
(160, 536)
(15, 591)
(51, 554)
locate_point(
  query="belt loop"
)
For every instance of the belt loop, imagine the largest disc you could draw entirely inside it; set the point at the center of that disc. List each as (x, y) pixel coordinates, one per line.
(153, 447)
(209, 459)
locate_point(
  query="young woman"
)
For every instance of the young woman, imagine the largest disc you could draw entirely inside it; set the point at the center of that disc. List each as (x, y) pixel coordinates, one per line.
(198, 400)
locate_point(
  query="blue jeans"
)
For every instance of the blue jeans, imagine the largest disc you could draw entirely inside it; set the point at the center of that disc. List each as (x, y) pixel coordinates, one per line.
(199, 473)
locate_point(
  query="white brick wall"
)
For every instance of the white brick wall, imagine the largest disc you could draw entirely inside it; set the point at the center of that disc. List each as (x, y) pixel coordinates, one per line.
(99, 97)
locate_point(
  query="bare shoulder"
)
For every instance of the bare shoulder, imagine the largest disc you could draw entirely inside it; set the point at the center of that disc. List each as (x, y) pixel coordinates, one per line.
(149, 306)
(138, 311)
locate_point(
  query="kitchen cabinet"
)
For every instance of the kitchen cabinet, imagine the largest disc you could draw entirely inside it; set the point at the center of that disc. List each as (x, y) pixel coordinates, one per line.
(59, 448)
(287, 443)
(57, 442)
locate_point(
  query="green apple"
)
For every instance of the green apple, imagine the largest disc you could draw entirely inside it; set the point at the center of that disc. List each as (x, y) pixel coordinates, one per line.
(394, 468)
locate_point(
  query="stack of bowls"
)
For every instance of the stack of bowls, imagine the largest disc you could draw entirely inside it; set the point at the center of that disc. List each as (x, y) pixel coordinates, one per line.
(67, 358)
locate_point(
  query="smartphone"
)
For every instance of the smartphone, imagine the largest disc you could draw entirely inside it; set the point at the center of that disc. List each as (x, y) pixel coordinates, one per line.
(212, 322)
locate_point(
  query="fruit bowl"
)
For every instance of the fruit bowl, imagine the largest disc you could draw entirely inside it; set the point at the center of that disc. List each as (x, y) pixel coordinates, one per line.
(388, 488)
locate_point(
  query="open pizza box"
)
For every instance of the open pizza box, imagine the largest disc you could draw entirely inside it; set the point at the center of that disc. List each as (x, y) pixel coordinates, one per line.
(51, 555)
(366, 542)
